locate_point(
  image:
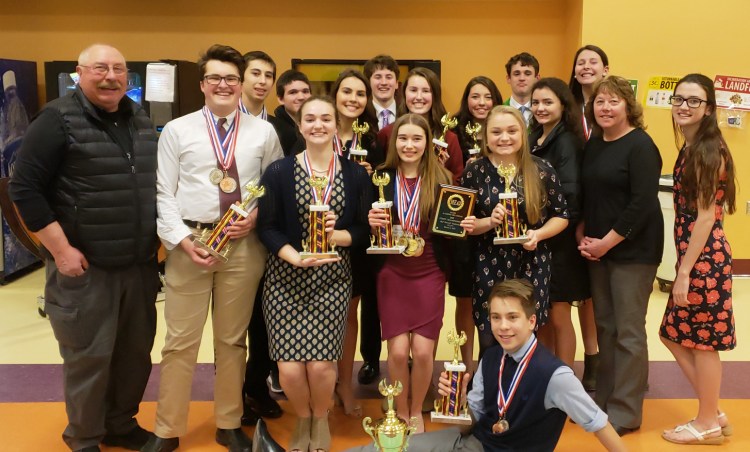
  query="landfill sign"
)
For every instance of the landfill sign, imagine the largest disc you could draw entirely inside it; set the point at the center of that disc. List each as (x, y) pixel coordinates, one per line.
(732, 92)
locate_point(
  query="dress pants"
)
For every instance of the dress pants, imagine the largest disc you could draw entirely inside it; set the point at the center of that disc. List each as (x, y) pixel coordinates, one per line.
(620, 292)
(370, 342)
(259, 364)
(446, 440)
(104, 322)
(229, 289)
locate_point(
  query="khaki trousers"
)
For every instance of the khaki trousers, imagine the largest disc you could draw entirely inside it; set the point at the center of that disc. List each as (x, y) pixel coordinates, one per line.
(229, 289)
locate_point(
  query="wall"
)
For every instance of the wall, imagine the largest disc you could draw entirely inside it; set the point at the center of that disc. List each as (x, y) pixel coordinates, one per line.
(677, 37)
(470, 37)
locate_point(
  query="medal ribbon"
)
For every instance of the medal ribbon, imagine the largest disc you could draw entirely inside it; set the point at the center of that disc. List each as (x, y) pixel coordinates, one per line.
(338, 145)
(331, 176)
(224, 150)
(263, 112)
(586, 128)
(503, 400)
(408, 204)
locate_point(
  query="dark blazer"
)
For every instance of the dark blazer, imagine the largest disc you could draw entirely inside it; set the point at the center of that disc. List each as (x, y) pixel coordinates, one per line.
(278, 218)
(286, 128)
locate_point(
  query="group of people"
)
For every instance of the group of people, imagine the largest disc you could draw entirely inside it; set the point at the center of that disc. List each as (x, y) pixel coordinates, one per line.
(98, 186)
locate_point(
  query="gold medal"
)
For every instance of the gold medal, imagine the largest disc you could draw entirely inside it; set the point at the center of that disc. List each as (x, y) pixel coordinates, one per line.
(413, 247)
(500, 426)
(228, 184)
(420, 246)
(215, 176)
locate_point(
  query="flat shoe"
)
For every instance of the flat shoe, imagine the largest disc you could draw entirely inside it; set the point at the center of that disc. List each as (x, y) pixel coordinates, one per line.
(698, 438)
(727, 429)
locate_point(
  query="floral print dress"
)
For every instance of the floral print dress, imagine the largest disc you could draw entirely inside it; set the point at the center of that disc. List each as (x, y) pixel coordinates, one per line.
(707, 323)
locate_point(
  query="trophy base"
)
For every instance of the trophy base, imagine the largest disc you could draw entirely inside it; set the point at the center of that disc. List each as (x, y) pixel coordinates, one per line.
(329, 255)
(223, 259)
(461, 419)
(378, 250)
(510, 241)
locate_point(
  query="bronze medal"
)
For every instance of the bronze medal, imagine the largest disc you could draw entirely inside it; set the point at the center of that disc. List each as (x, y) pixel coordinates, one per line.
(420, 246)
(501, 426)
(228, 184)
(215, 176)
(413, 246)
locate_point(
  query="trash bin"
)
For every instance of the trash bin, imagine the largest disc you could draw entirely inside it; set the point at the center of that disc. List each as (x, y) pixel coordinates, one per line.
(666, 272)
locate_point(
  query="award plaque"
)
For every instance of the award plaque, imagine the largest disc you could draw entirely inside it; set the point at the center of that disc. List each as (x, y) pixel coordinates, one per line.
(383, 241)
(318, 246)
(449, 409)
(216, 241)
(392, 433)
(511, 230)
(448, 122)
(357, 153)
(454, 204)
(473, 129)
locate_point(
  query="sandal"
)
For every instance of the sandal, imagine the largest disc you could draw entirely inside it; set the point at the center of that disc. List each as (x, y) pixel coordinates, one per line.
(726, 428)
(300, 440)
(320, 439)
(698, 438)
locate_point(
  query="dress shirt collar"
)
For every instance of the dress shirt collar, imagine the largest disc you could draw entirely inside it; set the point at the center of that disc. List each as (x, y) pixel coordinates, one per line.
(230, 117)
(518, 354)
(391, 107)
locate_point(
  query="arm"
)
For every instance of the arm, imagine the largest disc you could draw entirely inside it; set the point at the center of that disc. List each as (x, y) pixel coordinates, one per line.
(169, 224)
(556, 207)
(68, 259)
(455, 162)
(568, 172)
(361, 194)
(609, 438)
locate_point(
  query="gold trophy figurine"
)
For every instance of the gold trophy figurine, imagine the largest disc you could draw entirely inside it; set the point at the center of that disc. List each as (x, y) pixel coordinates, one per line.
(317, 245)
(383, 241)
(448, 122)
(358, 154)
(449, 409)
(473, 129)
(392, 433)
(511, 230)
(216, 241)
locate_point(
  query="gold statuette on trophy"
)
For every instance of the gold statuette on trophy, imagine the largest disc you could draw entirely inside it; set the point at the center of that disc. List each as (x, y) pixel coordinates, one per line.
(448, 122)
(392, 433)
(357, 153)
(317, 245)
(216, 241)
(383, 242)
(473, 129)
(512, 229)
(451, 409)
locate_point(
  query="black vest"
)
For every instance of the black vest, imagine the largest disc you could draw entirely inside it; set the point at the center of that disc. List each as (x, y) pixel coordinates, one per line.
(104, 196)
(532, 427)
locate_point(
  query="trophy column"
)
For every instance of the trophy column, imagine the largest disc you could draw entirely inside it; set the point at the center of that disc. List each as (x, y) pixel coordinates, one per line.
(450, 409)
(318, 246)
(383, 242)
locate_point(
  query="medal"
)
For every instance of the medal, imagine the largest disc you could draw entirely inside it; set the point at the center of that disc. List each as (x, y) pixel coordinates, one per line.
(325, 196)
(504, 400)
(500, 426)
(408, 214)
(412, 248)
(228, 184)
(420, 246)
(215, 176)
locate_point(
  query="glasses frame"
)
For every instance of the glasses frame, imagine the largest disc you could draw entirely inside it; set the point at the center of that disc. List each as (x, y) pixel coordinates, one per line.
(688, 100)
(224, 79)
(99, 69)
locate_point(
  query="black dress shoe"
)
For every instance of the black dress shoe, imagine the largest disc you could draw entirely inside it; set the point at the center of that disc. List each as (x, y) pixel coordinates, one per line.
(135, 440)
(368, 373)
(156, 444)
(234, 439)
(249, 417)
(622, 431)
(264, 406)
(262, 441)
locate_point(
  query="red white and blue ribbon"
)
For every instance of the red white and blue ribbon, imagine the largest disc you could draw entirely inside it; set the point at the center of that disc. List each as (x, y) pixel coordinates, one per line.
(408, 204)
(224, 150)
(338, 145)
(263, 112)
(504, 400)
(331, 176)
(586, 128)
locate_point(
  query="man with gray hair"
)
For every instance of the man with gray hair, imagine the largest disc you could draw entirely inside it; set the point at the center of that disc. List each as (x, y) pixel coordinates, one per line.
(85, 183)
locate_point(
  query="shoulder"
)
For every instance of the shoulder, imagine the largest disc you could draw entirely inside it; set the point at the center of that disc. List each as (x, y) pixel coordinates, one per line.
(188, 121)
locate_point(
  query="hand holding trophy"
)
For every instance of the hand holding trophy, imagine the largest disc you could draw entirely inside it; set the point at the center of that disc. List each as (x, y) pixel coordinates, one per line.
(357, 153)
(216, 241)
(452, 409)
(441, 146)
(383, 241)
(318, 246)
(511, 230)
(392, 433)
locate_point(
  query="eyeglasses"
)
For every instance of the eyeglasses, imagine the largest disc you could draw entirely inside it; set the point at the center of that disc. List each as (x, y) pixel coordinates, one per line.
(230, 80)
(103, 69)
(693, 102)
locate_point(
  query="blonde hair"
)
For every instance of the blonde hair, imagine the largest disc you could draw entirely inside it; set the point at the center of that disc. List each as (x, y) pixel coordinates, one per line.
(534, 191)
(430, 170)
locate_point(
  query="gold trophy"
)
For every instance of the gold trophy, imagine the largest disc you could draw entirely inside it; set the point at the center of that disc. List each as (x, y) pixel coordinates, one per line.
(449, 409)
(448, 122)
(383, 242)
(216, 241)
(318, 246)
(392, 433)
(358, 153)
(511, 230)
(473, 129)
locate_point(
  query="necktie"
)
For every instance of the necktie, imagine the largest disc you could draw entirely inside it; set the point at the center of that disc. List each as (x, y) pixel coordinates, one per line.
(227, 199)
(524, 109)
(385, 118)
(508, 370)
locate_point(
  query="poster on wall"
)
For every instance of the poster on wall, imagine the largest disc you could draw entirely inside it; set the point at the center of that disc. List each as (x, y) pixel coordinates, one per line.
(634, 85)
(18, 103)
(732, 92)
(660, 87)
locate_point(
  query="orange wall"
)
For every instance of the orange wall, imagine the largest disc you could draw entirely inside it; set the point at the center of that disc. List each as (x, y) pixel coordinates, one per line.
(469, 37)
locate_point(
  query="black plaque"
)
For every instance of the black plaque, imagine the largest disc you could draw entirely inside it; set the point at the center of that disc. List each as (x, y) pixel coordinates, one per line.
(454, 204)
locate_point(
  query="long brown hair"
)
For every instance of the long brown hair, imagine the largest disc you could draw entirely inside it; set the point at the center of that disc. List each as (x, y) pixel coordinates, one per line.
(704, 157)
(430, 170)
(528, 171)
(437, 110)
(368, 115)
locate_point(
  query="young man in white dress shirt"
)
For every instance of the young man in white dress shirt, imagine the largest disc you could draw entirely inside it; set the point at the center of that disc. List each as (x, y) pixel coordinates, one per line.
(522, 72)
(382, 72)
(205, 160)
